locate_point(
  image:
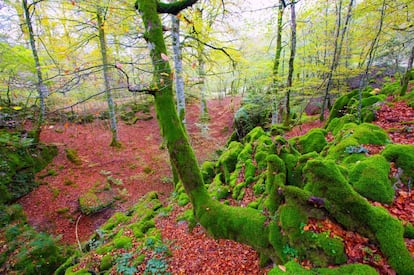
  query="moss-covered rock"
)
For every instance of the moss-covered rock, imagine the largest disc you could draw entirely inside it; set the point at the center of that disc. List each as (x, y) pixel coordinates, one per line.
(403, 156)
(324, 180)
(217, 189)
(228, 160)
(293, 268)
(72, 156)
(92, 202)
(20, 159)
(208, 171)
(313, 141)
(369, 178)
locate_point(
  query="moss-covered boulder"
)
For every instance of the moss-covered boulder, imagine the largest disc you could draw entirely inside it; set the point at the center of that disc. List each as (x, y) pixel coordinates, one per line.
(403, 156)
(313, 141)
(325, 181)
(20, 159)
(94, 201)
(369, 178)
(217, 189)
(228, 160)
(293, 268)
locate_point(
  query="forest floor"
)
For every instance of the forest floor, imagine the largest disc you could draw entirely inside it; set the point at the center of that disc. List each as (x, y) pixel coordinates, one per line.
(143, 166)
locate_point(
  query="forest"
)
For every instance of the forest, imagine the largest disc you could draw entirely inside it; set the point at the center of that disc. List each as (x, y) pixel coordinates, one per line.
(207, 137)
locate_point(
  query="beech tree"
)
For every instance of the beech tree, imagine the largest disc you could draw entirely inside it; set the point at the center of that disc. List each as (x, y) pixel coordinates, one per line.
(40, 87)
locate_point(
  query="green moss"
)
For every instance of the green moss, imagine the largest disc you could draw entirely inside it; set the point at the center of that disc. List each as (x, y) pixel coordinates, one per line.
(249, 171)
(366, 133)
(115, 220)
(104, 249)
(293, 268)
(183, 199)
(228, 160)
(254, 134)
(238, 191)
(72, 156)
(350, 209)
(276, 178)
(370, 179)
(336, 124)
(123, 242)
(106, 262)
(403, 156)
(208, 171)
(92, 202)
(313, 141)
(261, 161)
(217, 189)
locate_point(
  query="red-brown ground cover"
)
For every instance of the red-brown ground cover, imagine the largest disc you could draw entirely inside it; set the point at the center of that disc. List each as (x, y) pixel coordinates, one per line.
(144, 167)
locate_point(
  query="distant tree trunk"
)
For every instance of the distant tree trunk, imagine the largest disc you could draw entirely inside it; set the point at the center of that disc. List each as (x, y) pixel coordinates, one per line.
(100, 15)
(407, 75)
(291, 61)
(41, 88)
(179, 81)
(204, 117)
(337, 52)
(371, 54)
(276, 65)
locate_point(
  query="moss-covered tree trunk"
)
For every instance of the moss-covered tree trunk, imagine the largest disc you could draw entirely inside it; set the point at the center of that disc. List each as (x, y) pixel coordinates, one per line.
(240, 224)
(276, 63)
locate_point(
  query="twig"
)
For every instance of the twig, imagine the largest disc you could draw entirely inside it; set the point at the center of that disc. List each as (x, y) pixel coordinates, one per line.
(76, 233)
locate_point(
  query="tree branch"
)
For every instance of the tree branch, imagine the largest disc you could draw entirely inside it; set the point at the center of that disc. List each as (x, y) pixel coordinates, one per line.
(174, 7)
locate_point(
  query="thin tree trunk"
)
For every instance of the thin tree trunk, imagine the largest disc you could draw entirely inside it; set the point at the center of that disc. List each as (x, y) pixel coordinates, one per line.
(204, 117)
(291, 60)
(179, 81)
(276, 65)
(41, 88)
(100, 15)
(337, 52)
(371, 54)
(407, 75)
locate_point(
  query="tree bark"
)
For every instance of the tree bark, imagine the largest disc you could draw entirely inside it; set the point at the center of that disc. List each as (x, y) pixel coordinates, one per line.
(106, 74)
(276, 64)
(291, 60)
(178, 75)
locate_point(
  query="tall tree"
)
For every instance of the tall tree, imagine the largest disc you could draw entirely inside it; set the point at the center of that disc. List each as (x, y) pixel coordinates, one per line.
(291, 59)
(100, 17)
(178, 65)
(339, 39)
(41, 88)
(276, 64)
(370, 57)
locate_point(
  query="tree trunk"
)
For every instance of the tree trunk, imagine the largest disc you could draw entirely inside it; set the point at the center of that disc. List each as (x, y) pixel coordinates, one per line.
(179, 81)
(407, 75)
(371, 54)
(41, 88)
(222, 221)
(291, 61)
(204, 117)
(337, 53)
(276, 65)
(100, 15)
